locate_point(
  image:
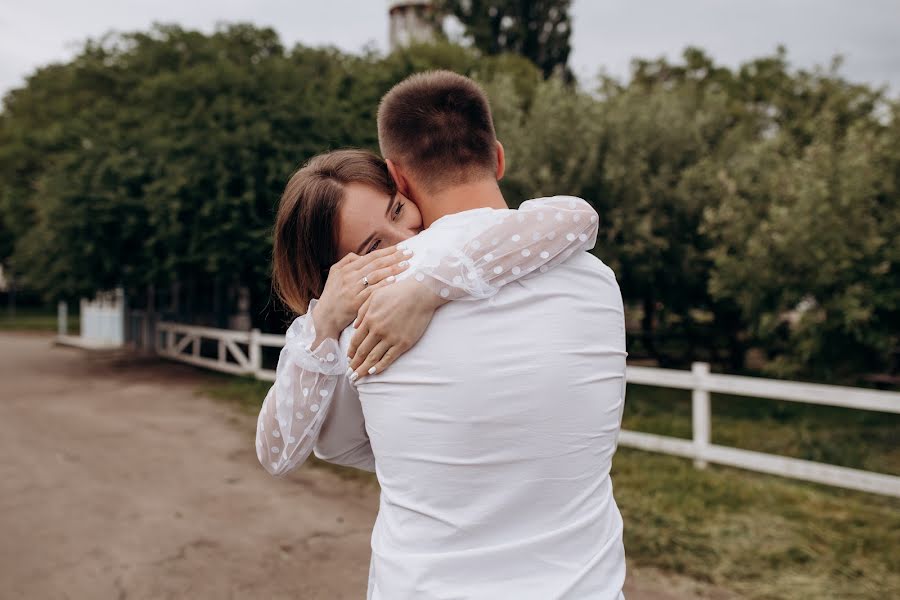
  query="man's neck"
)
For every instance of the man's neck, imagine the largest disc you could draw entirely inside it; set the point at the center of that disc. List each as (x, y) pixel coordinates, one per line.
(479, 194)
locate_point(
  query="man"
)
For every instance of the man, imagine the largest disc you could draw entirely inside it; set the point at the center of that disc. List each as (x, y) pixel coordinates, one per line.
(492, 437)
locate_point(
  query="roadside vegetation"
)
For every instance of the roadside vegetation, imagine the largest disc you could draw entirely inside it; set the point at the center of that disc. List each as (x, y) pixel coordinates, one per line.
(33, 319)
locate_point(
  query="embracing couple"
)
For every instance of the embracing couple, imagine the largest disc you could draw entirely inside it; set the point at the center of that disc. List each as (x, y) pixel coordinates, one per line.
(492, 431)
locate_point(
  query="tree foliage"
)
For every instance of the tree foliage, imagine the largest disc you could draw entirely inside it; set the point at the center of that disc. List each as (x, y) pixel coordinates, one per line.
(748, 208)
(539, 30)
(741, 208)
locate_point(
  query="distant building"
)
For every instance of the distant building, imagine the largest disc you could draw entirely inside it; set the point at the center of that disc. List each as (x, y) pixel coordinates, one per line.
(409, 22)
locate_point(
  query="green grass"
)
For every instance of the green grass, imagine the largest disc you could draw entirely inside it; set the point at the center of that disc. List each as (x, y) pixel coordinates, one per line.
(762, 537)
(34, 319)
(758, 536)
(838, 436)
(246, 393)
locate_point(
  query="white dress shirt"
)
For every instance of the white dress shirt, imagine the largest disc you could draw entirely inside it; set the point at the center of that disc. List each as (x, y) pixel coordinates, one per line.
(493, 438)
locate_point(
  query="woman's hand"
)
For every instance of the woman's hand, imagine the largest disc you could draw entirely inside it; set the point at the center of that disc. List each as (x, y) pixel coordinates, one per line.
(346, 290)
(390, 322)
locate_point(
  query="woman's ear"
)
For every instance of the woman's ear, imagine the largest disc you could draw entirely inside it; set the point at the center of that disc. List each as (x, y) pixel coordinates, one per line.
(501, 161)
(399, 179)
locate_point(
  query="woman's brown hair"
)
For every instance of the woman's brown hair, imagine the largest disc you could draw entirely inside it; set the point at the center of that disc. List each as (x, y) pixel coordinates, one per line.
(306, 225)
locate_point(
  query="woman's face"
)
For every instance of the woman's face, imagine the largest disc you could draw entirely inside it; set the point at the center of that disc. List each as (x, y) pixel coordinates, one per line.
(369, 219)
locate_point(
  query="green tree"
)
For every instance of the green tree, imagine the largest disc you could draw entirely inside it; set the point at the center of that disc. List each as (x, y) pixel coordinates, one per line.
(158, 157)
(539, 30)
(805, 236)
(741, 208)
(551, 136)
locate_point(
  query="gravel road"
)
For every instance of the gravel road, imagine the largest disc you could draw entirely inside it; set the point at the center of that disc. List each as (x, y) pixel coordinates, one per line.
(118, 480)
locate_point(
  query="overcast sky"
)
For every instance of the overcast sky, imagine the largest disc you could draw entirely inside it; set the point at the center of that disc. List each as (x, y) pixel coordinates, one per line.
(607, 33)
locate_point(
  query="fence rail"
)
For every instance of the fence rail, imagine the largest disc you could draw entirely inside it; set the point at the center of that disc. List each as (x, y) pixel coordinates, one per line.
(183, 342)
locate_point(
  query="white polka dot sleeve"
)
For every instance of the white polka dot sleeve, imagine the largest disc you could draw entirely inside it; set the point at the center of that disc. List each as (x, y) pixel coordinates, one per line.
(295, 406)
(517, 243)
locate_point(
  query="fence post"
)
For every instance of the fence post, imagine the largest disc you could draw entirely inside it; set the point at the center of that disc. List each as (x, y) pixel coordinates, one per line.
(119, 317)
(62, 318)
(700, 412)
(254, 351)
(85, 318)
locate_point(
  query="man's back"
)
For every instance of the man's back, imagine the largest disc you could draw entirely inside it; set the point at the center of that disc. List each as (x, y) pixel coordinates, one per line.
(493, 439)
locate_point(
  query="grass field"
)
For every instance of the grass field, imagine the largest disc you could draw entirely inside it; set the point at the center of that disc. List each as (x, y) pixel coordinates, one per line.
(33, 319)
(759, 536)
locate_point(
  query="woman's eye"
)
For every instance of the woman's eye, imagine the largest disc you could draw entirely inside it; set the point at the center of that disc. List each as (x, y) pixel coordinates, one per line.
(374, 246)
(398, 209)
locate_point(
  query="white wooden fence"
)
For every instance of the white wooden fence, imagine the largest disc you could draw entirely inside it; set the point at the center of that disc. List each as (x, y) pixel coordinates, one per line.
(240, 352)
(701, 383)
(102, 321)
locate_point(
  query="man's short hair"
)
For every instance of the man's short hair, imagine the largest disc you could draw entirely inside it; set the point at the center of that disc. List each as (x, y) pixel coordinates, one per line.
(438, 124)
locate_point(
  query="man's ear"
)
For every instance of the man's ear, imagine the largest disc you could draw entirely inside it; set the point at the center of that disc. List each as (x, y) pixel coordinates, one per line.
(400, 180)
(501, 161)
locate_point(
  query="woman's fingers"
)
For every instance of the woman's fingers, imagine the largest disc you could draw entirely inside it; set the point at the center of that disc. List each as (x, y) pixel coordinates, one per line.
(365, 347)
(392, 354)
(365, 259)
(360, 315)
(352, 263)
(358, 336)
(362, 298)
(367, 367)
(383, 275)
(367, 265)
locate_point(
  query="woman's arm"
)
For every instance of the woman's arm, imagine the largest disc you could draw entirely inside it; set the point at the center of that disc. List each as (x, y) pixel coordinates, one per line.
(311, 363)
(297, 403)
(311, 408)
(535, 238)
(504, 245)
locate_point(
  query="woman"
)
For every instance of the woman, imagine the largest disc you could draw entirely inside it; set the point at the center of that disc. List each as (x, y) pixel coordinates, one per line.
(338, 237)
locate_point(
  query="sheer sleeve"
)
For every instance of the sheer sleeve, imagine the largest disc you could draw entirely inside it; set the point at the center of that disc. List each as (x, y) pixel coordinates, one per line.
(514, 244)
(297, 403)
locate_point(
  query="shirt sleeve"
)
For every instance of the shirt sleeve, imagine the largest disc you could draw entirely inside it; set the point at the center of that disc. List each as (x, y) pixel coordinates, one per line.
(343, 439)
(296, 405)
(533, 239)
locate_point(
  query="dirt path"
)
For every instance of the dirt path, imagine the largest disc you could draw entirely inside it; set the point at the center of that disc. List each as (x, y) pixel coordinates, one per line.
(118, 481)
